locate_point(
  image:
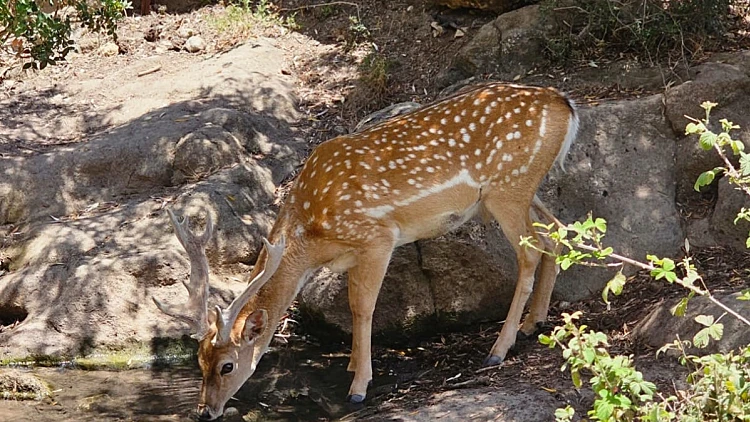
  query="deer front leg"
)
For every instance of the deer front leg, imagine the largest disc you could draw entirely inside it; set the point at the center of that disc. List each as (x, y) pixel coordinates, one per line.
(514, 224)
(365, 279)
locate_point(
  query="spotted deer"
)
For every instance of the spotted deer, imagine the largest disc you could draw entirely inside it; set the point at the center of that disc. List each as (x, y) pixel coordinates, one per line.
(418, 175)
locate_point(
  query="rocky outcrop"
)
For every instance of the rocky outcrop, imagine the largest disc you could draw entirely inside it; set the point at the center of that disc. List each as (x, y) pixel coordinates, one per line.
(93, 243)
(510, 45)
(660, 327)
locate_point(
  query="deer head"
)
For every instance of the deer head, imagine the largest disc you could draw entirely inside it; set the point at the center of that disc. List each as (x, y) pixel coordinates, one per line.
(226, 336)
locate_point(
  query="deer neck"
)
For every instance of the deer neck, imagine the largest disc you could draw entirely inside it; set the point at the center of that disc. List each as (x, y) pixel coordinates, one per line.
(279, 292)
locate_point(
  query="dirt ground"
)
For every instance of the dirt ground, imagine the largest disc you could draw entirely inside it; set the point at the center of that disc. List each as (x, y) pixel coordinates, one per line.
(429, 379)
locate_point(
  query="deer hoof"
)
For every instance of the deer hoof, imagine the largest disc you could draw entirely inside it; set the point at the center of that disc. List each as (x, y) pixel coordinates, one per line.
(492, 360)
(355, 398)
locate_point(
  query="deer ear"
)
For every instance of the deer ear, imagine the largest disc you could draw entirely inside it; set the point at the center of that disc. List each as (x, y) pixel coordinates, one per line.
(254, 325)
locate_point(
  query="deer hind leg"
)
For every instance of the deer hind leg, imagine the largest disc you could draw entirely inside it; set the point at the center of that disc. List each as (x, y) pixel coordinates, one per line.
(546, 276)
(365, 279)
(515, 222)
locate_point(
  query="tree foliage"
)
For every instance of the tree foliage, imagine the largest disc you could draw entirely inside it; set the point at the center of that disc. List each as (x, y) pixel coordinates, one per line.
(38, 31)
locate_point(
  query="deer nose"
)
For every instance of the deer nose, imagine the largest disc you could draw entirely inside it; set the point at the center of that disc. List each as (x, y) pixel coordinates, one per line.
(204, 414)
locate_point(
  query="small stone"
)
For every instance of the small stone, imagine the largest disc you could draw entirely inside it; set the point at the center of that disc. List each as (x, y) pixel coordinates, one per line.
(231, 411)
(185, 32)
(195, 44)
(109, 49)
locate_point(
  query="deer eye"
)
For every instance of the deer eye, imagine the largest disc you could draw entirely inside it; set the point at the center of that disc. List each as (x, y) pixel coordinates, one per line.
(227, 368)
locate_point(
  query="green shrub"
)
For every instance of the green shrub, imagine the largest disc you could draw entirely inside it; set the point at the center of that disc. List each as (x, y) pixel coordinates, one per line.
(718, 384)
(590, 29)
(42, 37)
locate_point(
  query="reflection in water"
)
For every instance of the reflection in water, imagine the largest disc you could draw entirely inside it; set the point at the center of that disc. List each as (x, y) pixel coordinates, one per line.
(297, 383)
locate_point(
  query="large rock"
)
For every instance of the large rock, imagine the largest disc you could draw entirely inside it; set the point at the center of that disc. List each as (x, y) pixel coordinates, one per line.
(92, 241)
(621, 168)
(660, 327)
(729, 202)
(722, 83)
(509, 45)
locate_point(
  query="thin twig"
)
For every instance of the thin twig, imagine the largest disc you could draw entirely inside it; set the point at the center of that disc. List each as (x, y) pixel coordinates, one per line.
(150, 71)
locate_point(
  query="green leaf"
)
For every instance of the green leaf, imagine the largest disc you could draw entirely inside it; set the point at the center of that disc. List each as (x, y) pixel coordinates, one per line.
(681, 307)
(700, 339)
(601, 225)
(704, 179)
(745, 295)
(745, 163)
(716, 331)
(694, 128)
(668, 264)
(737, 146)
(708, 105)
(705, 320)
(576, 377)
(707, 140)
(615, 286)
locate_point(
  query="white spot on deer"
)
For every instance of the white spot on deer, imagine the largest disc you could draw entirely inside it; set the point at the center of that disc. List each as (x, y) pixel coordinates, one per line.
(430, 170)
(478, 166)
(477, 152)
(507, 157)
(380, 211)
(524, 169)
(514, 172)
(472, 126)
(529, 123)
(345, 197)
(358, 203)
(457, 119)
(443, 121)
(326, 225)
(509, 136)
(517, 135)
(466, 138)
(306, 205)
(451, 142)
(411, 182)
(499, 166)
